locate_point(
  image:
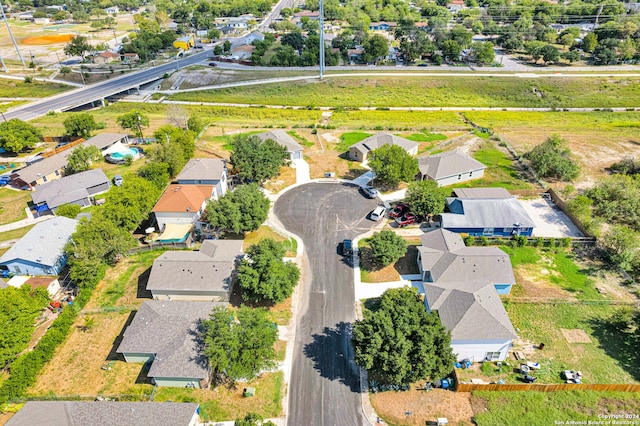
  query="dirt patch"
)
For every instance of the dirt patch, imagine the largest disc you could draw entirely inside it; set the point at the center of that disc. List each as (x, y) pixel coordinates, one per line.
(287, 177)
(575, 335)
(48, 39)
(531, 288)
(423, 407)
(404, 266)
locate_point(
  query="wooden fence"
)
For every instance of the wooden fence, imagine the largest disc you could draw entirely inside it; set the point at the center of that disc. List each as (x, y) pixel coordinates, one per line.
(539, 387)
(61, 148)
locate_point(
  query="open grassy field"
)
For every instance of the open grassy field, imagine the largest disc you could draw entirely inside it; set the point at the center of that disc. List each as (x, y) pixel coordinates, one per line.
(538, 408)
(596, 139)
(20, 89)
(268, 232)
(407, 91)
(398, 120)
(13, 204)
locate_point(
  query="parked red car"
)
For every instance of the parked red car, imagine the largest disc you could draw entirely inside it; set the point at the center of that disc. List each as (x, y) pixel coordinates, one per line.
(399, 210)
(406, 219)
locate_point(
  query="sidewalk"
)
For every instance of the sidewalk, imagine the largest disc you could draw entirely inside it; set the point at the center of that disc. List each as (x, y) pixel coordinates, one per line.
(30, 220)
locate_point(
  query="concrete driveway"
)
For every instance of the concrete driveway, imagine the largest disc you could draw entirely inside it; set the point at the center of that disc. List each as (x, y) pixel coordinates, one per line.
(325, 382)
(550, 221)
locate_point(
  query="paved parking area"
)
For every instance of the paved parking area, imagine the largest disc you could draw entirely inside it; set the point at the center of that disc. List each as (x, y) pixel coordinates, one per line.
(549, 219)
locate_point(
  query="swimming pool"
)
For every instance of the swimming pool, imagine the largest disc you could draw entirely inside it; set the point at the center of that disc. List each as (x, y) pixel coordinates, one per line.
(127, 152)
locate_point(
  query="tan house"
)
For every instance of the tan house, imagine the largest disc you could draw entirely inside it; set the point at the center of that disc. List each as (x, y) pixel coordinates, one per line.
(130, 57)
(182, 205)
(360, 151)
(106, 58)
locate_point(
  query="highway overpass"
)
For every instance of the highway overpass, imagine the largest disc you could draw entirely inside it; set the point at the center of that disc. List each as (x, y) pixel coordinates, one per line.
(99, 91)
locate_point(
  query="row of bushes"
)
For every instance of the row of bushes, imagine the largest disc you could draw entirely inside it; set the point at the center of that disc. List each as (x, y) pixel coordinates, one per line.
(26, 368)
(518, 241)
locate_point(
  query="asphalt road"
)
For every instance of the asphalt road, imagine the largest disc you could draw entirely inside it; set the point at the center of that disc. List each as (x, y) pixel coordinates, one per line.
(81, 96)
(325, 382)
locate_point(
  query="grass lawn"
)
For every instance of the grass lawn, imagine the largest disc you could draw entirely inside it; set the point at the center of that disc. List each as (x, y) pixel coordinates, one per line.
(123, 283)
(300, 139)
(285, 178)
(501, 170)
(13, 204)
(36, 89)
(539, 408)
(385, 91)
(399, 120)
(553, 267)
(15, 234)
(349, 138)
(268, 232)
(227, 404)
(605, 359)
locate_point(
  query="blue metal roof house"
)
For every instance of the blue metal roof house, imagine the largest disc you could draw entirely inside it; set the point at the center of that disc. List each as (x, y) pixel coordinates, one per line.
(41, 250)
(499, 217)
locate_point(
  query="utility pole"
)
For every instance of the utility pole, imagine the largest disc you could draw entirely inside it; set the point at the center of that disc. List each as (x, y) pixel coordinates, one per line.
(598, 16)
(4, 67)
(11, 35)
(321, 22)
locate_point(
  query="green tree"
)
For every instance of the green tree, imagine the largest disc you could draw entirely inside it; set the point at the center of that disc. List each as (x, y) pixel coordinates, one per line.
(241, 210)
(589, 42)
(155, 172)
(217, 50)
(226, 47)
(81, 159)
(238, 344)
(426, 198)
(133, 120)
(255, 160)
(550, 54)
(80, 125)
(392, 165)
(623, 244)
(196, 124)
(387, 247)
(264, 276)
(571, 56)
(399, 342)
(451, 50)
(128, 205)
(19, 308)
(252, 419)
(17, 135)
(483, 52)
(78, 46)
(68, 210)
(534, 49)
(552, 159)
(375, 47)
(616, 199)
(293, 39)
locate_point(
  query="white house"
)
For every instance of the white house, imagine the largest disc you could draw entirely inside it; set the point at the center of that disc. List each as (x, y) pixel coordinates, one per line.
(283, 139)
(205, 171)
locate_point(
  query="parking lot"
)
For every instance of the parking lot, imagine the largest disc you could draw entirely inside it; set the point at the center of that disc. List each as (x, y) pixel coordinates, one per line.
(549, 219)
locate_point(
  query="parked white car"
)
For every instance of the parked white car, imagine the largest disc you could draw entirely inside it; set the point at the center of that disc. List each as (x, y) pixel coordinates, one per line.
(377, 213)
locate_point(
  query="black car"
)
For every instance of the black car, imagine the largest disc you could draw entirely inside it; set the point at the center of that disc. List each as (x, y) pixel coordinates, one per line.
(213, 64)
(346, 248)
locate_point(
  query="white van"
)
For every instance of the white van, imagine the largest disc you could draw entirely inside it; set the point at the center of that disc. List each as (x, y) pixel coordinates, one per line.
(377, 213)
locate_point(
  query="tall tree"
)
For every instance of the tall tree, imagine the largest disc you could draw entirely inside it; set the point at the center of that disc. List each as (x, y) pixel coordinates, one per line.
(552, 159)
(375, 48)
(426, 198)
(255, 160)
(133, 120)
(80, 125)
(238, 344)
(241, 210)
(387, 247)
(81, 159)
(399, 342)
(78, 46)
(128, 205)
(392, 165)
(155, 172)
(16, 135)
(264, 276)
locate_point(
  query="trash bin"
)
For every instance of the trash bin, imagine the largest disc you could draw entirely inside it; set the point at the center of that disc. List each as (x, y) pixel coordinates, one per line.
(541, 346)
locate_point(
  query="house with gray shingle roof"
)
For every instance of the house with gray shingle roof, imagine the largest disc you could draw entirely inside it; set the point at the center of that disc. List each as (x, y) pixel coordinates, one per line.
(205, 171)
(106, 413)
(165, 334)
(462, 284)
(205, 275)
(450, 167)
(486, 216)
(73, 189)
(360, 151)
(283, 139)
(41, 250)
